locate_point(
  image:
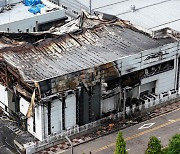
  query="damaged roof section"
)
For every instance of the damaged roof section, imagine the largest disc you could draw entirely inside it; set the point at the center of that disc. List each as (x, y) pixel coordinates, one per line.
(91, 43)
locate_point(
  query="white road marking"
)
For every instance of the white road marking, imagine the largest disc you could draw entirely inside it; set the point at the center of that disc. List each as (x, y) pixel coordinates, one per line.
(171, 120)
(128, 149)
(2, 146)
(146, 126)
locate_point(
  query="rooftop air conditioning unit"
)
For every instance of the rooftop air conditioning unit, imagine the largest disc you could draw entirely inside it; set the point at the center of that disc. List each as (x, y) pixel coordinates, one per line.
(133, 8)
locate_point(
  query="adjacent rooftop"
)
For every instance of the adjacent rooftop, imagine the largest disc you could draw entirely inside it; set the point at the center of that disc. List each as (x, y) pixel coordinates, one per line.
(18, 11)
(152, 15)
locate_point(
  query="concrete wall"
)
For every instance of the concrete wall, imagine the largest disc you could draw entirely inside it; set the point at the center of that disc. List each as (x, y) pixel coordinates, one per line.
(24, 106)
(109, 104)
(38, 119)
(135, 92)
(41, 117)
(3, 97)
(164, 81)
(72, 7)
(70, 111)
(56, 116)
(147, 86)
(45, 121)
(38, 124)
(139, 61)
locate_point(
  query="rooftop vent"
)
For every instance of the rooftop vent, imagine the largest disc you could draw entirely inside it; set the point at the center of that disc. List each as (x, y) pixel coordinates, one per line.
(1, 9)
(133, 8)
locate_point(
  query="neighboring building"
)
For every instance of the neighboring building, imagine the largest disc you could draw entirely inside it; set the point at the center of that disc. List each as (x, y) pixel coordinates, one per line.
(150, 15)
(51, 82)
(15, 16)
(72, 8)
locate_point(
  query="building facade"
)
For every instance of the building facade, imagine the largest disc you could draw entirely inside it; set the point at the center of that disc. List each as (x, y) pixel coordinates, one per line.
(52, 82)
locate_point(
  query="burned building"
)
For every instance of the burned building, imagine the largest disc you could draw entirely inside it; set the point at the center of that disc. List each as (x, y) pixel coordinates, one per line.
(76, 74)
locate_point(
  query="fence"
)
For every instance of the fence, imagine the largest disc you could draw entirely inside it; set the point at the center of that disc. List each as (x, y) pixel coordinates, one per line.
(144, 107)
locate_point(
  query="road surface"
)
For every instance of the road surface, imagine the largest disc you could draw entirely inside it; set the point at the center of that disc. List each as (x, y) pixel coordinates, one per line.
(137, 136)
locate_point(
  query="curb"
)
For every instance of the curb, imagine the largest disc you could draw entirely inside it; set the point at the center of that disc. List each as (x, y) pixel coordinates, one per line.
(116, 130)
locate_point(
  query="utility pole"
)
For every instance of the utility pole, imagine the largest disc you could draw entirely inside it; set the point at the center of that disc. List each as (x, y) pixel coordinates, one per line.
(90, 6)
(124, 102)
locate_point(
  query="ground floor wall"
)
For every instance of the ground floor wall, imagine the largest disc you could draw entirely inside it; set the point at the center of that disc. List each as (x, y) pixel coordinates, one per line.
(158, 84)
(3, 98)
(88, 104)
(162, 82)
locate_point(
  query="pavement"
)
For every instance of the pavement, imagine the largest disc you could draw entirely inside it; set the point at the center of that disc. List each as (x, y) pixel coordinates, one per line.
(136, 137)
(11, 136)
(97, 140)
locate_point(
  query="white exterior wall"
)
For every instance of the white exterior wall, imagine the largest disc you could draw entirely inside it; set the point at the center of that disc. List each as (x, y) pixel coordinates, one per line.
(23, 106)
(138, 61)
(70, 111)
(38, 122)
(135, 92)
(45, 121)
(38, 119)
(56, 116)
(110, 103)
(30, 23)
(3, 97)
(164, 81)
(148, 86)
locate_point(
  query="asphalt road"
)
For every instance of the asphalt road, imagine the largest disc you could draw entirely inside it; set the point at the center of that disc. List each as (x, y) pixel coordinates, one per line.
(137, 136)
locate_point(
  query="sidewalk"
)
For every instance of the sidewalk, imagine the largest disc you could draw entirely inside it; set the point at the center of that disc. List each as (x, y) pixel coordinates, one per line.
(109, 128)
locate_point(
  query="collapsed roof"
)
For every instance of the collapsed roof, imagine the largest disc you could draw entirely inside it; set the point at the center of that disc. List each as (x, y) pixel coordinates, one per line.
(81, 44)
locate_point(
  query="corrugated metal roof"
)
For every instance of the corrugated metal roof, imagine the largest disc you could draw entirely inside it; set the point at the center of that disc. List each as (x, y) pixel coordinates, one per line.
(152, 15)
(77, 51)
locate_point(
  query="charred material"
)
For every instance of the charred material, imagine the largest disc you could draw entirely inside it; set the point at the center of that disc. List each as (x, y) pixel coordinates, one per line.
(80, 71)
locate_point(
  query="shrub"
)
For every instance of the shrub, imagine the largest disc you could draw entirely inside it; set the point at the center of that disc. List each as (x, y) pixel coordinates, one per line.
(154, 146)
(120, 145)
(174, 145)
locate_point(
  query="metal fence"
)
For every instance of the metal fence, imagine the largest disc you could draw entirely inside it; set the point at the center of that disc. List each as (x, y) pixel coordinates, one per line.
(50, 140)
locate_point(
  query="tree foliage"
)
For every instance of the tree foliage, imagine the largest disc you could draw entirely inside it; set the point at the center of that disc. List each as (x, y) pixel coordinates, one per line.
(174, 145)
(165, 150)
(120, 145)
(154, 146)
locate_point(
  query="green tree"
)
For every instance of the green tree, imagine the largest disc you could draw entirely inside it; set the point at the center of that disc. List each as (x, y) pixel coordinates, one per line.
(165, 150)
(154, 146)
(120, 144)
(174, 145)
